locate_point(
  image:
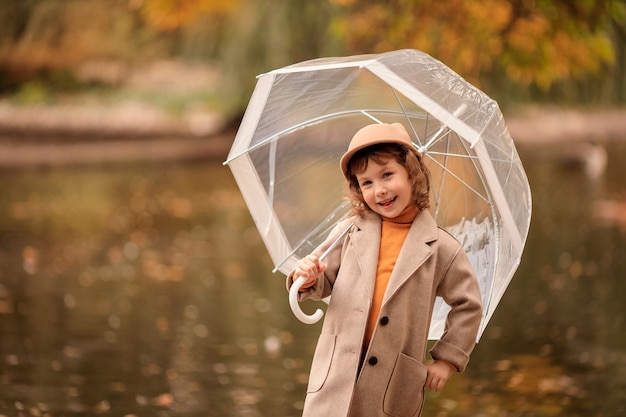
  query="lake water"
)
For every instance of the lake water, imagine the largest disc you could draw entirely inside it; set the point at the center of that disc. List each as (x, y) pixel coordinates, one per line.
(145, 290)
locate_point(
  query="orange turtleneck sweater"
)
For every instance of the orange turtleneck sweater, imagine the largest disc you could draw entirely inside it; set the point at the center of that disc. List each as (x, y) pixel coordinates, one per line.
(393, 233)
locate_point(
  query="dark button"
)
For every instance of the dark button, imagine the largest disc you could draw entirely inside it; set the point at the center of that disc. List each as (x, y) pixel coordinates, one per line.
(384, 320)
(373, 360)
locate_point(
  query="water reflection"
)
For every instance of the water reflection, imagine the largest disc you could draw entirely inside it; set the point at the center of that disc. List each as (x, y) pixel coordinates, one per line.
(145, 290)
(137, 290)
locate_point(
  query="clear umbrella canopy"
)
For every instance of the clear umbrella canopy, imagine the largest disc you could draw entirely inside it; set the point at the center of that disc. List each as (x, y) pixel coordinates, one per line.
(300, 119)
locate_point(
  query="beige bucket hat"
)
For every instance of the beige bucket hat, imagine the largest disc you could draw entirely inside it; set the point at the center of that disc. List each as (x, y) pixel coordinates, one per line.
(374, 134)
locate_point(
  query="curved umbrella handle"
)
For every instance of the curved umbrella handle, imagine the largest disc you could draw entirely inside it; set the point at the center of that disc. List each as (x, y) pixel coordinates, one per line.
(295, 306)
(295, 288)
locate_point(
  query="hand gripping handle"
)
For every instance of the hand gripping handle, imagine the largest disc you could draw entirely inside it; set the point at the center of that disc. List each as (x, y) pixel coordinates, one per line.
(295, 306)
(295, 289)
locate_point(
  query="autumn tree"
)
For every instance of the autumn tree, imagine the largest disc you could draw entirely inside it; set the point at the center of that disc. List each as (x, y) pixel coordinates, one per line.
(169, 15)
(47, 36)
(530, 42)
(505, 46)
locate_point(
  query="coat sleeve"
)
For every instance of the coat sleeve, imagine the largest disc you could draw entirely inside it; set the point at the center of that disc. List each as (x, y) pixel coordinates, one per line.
(459, 289)
(324, 284)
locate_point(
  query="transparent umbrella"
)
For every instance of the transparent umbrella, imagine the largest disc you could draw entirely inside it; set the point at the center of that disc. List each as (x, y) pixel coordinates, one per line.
(300, 119)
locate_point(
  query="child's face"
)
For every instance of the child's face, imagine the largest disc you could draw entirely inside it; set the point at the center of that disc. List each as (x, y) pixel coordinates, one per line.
(386, 188)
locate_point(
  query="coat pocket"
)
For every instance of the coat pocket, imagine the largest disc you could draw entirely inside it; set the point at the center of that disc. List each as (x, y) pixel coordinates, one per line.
(405, 392)
(322, 360)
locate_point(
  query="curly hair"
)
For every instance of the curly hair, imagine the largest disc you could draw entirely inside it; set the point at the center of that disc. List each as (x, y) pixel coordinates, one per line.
(380, 153)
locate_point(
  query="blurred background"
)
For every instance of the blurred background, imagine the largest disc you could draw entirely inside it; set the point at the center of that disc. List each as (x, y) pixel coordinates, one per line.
(132, 279)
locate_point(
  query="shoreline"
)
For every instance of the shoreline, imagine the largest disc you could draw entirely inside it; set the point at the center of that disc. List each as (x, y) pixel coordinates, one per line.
(553, 125)
(133, 133)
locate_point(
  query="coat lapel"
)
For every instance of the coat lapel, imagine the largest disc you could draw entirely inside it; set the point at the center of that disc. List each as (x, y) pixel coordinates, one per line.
(413, 253)
(366, 241)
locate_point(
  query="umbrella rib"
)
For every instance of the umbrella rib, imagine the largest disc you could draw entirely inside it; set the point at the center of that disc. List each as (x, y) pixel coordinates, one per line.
(438, 135)
(469, 187)
(370, 116)
(272, 179)
(406, 116)
(315, 120)
(458, 155)
(319, 227)
(425, 128)
(437, 203)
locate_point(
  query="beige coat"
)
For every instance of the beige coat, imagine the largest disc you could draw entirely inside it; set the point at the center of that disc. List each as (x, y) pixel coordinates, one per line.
(431, 263)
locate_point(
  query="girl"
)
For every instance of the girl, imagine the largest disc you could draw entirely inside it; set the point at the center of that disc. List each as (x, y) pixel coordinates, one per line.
(370, 359)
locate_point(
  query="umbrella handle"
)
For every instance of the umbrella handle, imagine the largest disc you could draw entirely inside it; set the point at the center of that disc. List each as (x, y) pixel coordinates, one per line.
(295, 306)
(295, 288)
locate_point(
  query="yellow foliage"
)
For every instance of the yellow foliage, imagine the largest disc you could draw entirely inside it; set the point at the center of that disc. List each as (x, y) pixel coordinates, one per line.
(526, 34)
(342, 2)
(171, 14)
(467, 40)
(541, 52)
(530, 42)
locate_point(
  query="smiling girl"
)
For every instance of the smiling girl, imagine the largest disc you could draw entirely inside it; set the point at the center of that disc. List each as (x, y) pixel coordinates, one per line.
(370, 359)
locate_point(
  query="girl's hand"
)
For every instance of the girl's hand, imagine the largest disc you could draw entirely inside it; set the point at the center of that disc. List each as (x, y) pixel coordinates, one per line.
(310, 268)
(438, 373)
